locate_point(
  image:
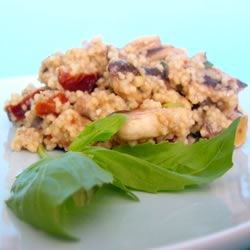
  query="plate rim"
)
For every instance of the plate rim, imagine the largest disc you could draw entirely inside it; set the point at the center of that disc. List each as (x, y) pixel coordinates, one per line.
(224, 238)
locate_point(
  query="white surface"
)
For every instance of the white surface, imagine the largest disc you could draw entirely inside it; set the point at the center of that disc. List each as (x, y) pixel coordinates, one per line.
(213, 216)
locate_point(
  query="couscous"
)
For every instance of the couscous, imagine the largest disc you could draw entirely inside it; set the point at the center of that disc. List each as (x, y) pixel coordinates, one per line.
(166, 95)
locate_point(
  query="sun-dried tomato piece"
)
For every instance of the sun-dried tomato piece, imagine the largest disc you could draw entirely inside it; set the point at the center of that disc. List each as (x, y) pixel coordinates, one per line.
(83, 82)
(44, 108)
(17, 112)
(49, 106)
(63, 98)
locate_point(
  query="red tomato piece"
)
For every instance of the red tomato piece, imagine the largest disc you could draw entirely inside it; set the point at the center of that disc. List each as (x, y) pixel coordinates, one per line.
(83, 82)
(49, 106)
(18, 110)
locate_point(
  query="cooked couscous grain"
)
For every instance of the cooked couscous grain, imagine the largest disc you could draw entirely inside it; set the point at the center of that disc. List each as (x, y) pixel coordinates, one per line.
(166, 95)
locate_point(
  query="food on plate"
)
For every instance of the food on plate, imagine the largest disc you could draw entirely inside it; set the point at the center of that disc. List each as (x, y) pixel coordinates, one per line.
(47, 191)
(166, 95)
(144, 117)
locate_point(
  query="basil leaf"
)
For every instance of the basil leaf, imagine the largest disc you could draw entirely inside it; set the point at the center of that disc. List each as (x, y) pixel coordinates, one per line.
(140, 174)
(134, 172)
(100, 130)
(119, 185)
(41, 193)
(188, 158)
(208, 64)
(42, 152)
(147, 168)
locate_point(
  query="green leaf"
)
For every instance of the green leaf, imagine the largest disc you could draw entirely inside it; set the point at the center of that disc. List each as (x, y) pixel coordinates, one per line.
(173, 167)
(136, 173)
(42, 152)
(140, 174)
(119, 185)
(41, 193)
(188, 158)
(100, 130)
(207, 63)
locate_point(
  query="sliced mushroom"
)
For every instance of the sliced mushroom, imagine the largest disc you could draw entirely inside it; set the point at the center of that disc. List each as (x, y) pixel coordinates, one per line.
(241, 132)
(241, 85)
(153, 71)
(122, 66)
(209, 81)
(163, 52)
(143, 44)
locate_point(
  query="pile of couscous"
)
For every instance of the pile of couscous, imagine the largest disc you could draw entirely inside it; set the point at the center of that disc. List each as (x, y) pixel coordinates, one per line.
(166, 95)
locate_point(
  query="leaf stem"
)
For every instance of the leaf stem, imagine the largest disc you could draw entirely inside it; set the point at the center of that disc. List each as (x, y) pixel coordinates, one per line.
(41, 152)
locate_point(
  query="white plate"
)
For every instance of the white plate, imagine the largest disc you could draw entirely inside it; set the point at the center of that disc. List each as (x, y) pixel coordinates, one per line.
(213, 216)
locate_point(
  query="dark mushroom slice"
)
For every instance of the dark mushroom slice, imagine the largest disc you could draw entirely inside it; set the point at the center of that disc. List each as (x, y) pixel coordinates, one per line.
(210, 82)
(153, 71)
(122, 66)
(162, 52)
(241, 85)
(154, 51)
(158, 53)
